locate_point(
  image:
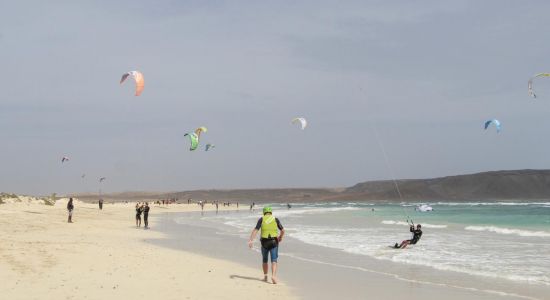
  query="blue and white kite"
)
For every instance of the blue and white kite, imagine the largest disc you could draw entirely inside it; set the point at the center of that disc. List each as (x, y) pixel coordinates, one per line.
(494, 121)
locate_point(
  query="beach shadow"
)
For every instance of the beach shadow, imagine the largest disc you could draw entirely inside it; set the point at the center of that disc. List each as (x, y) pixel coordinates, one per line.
(33, 212)
(246, 278)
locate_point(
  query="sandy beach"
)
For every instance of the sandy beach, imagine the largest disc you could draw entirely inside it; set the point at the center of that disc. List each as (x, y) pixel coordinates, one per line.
(102, 255)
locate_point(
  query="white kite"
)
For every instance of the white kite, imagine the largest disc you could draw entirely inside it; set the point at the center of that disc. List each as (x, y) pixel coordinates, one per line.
(302, 121)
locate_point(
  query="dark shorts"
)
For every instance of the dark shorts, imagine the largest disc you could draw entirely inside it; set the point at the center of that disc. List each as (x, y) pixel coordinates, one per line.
(274, 253)
(412, 242)
(271, 248)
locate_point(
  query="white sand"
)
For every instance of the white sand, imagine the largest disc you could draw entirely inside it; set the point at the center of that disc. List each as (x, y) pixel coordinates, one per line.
(103, 256)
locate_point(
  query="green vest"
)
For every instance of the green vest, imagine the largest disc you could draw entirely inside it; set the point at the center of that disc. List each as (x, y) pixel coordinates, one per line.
(269, 227)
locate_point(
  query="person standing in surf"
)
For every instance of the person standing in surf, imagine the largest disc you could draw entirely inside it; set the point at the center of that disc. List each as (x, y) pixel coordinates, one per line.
(417, 234)
(271, 234)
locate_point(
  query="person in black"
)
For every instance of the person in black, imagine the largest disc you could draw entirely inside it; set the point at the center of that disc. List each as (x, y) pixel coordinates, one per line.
(70, 208)
(417, 234)
(139, 210)
(146, 214)
(100, 204)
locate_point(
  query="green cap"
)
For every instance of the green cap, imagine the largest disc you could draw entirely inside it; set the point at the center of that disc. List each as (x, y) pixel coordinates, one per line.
(267, 209)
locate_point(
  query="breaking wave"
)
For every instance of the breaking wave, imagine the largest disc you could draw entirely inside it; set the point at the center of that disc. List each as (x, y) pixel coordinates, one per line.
(502, 230)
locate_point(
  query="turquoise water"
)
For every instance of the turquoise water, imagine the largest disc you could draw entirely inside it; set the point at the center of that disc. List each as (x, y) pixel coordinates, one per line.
(534, 216)
(509, 241)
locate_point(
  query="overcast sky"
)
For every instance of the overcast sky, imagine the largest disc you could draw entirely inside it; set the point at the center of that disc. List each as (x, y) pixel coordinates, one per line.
(424, 74)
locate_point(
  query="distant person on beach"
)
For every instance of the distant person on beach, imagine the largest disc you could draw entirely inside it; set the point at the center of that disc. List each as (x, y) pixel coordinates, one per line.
(288, 206)
(271, 234)
(70, 208)
(139, 210)
(417, 234)
(146, 209)
(100, 204)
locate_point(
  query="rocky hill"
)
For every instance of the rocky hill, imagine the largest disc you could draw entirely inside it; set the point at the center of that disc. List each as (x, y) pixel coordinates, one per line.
(498, 185)
(486, 186)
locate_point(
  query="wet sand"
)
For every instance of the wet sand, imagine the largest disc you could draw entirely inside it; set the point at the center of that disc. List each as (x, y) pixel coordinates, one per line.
(347, 276)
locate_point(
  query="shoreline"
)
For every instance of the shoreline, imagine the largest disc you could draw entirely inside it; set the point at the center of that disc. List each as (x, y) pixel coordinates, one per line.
(103, 256)
(311, 278)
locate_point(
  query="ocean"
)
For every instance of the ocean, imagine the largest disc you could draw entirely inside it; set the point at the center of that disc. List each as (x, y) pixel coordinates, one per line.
(505, 240)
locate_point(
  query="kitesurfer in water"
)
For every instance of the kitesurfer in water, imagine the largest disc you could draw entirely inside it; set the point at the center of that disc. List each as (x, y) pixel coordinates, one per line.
(417, 234)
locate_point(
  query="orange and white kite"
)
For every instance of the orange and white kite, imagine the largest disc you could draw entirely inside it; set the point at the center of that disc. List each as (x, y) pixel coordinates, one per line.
(138, 77)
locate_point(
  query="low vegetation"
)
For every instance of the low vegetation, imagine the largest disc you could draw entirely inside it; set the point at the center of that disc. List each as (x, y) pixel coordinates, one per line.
(4, 196)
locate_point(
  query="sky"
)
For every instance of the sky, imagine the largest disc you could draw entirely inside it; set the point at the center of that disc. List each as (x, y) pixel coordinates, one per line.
(408, 80)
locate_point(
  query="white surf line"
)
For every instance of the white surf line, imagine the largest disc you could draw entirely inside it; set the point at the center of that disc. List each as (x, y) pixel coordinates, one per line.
(398, 277)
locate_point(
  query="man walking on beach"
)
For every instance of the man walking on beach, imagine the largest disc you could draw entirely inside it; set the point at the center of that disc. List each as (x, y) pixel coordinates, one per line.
(70, 208)
(269, 238)
(100, 204)
(146, 215)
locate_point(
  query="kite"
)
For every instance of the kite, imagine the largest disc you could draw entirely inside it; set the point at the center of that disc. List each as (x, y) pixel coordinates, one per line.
(423, 208)
(195, 136)
(138, 77)
(530, 83)
(302, 121)
(494, 121)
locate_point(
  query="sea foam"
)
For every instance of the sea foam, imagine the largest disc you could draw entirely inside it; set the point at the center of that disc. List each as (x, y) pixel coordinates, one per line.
(502, 230)
(426, 225)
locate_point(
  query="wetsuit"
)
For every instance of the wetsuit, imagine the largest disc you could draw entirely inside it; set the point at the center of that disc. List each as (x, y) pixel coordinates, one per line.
(146, 216)
(417, 234)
